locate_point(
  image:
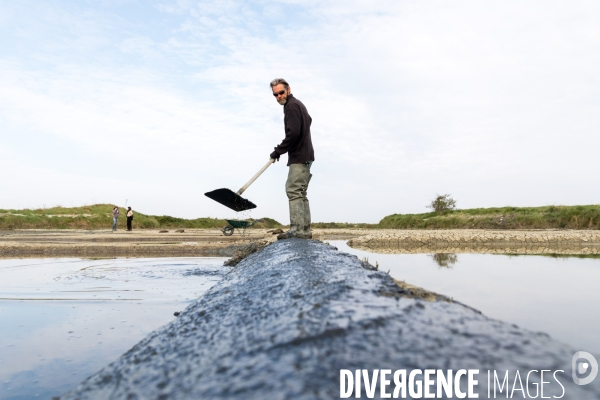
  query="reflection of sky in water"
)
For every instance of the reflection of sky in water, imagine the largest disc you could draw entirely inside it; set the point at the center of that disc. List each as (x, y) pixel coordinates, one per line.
(64, 319)
(558, 296)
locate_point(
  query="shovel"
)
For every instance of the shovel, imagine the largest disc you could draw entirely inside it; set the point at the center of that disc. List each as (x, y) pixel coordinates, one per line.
(235, 201)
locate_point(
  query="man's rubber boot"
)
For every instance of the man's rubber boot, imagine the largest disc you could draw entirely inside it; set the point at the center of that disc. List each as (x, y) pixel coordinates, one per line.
(296, 220)
(306, 232)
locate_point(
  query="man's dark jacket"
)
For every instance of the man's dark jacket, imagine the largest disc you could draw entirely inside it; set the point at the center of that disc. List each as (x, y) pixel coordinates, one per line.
(297, 142)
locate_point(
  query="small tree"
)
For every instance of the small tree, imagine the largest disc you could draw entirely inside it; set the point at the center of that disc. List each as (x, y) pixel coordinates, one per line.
(442, 203)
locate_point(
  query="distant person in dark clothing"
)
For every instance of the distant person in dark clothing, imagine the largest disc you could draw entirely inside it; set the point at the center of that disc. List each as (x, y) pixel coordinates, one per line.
(115, 213)
(129, 218)
(298, 144)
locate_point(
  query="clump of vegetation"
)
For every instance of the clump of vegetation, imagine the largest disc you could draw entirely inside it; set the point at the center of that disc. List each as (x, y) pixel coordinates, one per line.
(99, 216)
(547, 217)
(442, 202)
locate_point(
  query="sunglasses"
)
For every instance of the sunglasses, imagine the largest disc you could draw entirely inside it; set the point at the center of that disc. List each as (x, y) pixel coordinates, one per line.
(279, 93)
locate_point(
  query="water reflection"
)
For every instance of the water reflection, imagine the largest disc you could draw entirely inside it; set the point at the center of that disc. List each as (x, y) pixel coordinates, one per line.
(444, 260)
(556, 294)
(64, 319)
(395, 247)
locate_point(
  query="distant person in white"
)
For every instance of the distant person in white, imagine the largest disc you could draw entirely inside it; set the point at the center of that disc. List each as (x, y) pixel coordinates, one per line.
(115, 217)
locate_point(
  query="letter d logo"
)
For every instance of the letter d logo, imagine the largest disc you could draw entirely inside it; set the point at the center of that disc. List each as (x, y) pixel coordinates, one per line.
(580, 367)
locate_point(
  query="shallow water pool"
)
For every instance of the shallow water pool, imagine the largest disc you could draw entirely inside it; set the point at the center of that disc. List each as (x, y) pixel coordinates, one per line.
(64, 319)
(556, 295)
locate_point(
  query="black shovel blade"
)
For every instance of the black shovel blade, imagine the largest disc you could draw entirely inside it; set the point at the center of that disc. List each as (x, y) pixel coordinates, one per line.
(230, 199)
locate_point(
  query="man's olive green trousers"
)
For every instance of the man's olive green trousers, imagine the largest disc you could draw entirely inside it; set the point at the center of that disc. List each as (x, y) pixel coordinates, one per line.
(296, 187)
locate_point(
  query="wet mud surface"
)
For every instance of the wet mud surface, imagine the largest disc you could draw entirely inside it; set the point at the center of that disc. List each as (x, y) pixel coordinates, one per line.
(289, 317)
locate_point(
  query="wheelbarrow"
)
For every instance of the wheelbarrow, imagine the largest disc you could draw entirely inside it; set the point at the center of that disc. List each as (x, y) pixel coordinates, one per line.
(239, 224)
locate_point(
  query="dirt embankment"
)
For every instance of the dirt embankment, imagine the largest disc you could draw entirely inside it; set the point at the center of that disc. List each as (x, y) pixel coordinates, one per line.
(480, 241)
(142, 243)
(212, 242)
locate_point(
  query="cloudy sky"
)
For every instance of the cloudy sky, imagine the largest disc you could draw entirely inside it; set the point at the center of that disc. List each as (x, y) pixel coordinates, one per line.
(157, 102)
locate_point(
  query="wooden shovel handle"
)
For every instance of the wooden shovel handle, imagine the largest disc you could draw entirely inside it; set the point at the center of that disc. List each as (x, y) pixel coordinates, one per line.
(243, 188)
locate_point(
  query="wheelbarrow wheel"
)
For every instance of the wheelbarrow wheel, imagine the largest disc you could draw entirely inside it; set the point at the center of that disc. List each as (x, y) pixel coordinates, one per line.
(228, 230)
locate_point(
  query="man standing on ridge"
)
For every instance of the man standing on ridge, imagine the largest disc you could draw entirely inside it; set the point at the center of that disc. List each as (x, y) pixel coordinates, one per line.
(298, 144)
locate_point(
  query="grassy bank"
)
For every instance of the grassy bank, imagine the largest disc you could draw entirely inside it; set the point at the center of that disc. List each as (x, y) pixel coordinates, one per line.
(548, 217)
(99, 216)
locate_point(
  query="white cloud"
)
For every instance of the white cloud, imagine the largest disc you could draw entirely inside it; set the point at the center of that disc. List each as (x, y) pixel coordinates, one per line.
(494, 102)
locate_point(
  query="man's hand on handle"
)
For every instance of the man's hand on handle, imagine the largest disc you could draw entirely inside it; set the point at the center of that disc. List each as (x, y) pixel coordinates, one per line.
(274, 155)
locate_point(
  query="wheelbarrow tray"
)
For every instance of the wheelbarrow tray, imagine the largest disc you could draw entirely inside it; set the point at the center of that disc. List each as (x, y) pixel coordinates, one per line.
(236, 223)
(230, 199)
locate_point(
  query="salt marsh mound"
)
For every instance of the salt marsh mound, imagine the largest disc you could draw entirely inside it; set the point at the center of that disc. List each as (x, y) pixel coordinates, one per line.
(289, 317)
